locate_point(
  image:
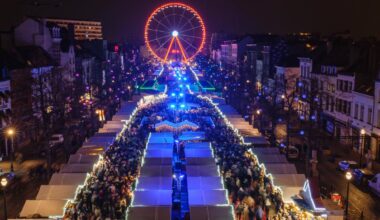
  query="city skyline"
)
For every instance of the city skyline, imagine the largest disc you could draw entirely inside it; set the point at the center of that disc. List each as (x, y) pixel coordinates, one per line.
(125, 19)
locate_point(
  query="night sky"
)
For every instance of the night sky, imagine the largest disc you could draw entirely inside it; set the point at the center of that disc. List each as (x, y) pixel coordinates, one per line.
(124, 19)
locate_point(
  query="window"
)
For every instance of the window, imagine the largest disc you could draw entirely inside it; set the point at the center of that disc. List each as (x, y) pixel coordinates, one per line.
(349, 86)
(369, 117)
(348, 109)
(361, 113)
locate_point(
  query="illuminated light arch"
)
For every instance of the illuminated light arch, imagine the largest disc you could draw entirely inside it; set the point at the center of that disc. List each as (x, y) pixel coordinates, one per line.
(175, 30)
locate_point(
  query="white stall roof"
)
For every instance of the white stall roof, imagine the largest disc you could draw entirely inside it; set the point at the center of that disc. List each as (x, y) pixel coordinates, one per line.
(82, 158)
(281, 168)
(211, 213)
(149, 213)
(152, 198)
(154, 183)
(56, 192)
(197, 145)
(95, 150)
(289, 180)
(161, 137)
(68, 179)
(289, 192)
(156, 170)
(207, 197)
(44, 208)
(204, 183)
(265, 150)
(192, 136)
(275, 158)
(76, 168)
(203, 170)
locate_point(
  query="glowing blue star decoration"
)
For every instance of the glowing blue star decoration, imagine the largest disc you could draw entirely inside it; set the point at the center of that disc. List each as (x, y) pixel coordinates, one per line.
(173, 94)
(172, 106)
(302, 132)
(182, 106)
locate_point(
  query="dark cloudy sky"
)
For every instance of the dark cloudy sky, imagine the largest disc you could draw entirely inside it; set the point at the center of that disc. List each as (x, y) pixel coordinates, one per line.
(124, 19)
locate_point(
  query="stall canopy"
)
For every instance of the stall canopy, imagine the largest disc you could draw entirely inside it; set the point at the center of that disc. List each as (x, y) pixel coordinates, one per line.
(159, 153)
(43, 208)
(82, 159)
(203, 170)
(156, 170)
(206, 183)
(207, 197)
(275, 158)
(154, 183)
(192, 136)
(68, 179)
(76, 168)
(265, 150)
(149, 213)
(211, 213)
(56, 192)
(281, 168)
(161, 137)
(289, 180)
(152, 198)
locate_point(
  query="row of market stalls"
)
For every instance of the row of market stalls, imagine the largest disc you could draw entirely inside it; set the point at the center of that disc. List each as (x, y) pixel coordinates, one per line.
(250, 134)
(52, 199)
(297, 191)
(153, 196)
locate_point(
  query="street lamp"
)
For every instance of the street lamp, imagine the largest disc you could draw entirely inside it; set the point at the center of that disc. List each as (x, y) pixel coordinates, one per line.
(4, 183)
(348, 178)
(362, 144)
(10, 132)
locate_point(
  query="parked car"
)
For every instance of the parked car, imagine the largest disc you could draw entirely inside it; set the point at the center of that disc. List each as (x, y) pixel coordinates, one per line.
(347, 165)
(56, 139)
(293, 152)
(362, 176)
(374, 184)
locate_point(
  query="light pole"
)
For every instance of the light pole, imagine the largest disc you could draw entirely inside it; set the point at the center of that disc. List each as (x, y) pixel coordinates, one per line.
(10, 134)
(362, 145)
(348, 178)
(4, 183)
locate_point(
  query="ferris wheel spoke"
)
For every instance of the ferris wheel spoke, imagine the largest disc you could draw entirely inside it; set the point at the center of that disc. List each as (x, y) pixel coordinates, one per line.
(187, 42)
(187, 22)
(167, 19)
(159, 22)
(159, 38)
(163, 44)
(191, 36)
(181, 18)
(157, 30)
(190, 29)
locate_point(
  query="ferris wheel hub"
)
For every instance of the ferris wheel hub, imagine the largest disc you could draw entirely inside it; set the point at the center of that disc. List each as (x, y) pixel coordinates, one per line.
(175, 33)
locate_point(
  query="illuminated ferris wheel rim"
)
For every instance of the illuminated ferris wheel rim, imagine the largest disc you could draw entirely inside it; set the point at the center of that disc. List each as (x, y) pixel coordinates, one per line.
(174, 32)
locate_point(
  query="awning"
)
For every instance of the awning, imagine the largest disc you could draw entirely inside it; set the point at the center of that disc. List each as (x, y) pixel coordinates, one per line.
(56, 192)
(82, 159)
(76, 168)
(68, 179)
(149, 213)
(43, 208)
(211, 213)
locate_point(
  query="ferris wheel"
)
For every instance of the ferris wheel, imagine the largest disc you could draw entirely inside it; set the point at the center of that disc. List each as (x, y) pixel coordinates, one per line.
(174, 31)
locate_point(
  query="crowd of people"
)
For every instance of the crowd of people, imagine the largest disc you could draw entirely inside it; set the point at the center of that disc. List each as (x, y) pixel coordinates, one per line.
(108, 191)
